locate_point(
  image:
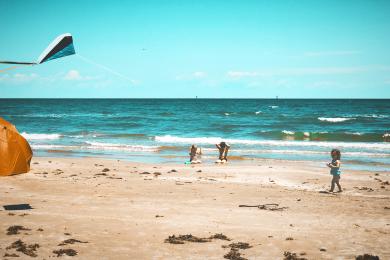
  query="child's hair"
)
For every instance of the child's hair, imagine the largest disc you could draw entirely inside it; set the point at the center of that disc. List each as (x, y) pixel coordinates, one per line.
(337, 153)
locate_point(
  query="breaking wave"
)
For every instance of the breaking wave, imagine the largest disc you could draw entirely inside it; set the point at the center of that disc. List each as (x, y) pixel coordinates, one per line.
(335, 119)
(215, 140)
(120, 147)
(40, 136)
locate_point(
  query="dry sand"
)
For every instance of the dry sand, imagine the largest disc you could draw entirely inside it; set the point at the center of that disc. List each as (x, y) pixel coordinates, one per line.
(128, 211)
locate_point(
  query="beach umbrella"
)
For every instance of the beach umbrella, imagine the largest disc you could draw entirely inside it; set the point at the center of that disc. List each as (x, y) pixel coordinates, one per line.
(15, 152)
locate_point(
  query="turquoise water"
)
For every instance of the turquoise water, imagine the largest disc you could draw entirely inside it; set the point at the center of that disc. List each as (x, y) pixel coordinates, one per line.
(163, 129)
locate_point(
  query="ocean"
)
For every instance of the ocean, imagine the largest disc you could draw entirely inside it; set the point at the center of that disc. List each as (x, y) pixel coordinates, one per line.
(161, 130)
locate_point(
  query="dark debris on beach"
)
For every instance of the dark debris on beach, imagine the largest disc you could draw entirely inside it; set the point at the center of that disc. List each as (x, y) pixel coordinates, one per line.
(234, 254)
(219, 236)
(180, 239)
(267, 206)
(367, 257)
(20, 246)
(292, 256)
(238, 245)
(14, 230)
(68, 252)
(71, 241)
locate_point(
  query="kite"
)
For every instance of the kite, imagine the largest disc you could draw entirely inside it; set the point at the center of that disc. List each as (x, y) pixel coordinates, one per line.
(61, 46)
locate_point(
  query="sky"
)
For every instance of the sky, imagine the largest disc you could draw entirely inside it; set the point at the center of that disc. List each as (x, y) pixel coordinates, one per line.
(209, 49)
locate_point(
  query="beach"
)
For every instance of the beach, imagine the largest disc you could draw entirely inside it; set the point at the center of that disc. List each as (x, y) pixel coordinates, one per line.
(115, 209)
(195, 130)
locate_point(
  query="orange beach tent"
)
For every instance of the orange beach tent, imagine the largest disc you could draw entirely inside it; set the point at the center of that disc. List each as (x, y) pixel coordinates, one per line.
(15, 152)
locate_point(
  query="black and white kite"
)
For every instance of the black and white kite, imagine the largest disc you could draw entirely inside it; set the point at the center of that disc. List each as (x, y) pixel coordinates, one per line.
(62, 46)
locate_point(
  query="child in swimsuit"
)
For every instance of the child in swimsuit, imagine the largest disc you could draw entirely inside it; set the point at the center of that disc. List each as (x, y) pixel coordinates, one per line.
(335, 169)
(223, 149)
(194, 152)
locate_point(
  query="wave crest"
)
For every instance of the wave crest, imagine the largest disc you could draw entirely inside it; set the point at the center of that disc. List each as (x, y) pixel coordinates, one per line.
(40, 136)
(120, 147)
(335, 119)
(215, 140)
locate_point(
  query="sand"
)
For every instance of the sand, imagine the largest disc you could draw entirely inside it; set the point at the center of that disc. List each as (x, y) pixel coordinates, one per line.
(92, 208)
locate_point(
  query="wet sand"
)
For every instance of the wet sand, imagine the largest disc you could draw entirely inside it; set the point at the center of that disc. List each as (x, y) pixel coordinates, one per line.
(107, 209)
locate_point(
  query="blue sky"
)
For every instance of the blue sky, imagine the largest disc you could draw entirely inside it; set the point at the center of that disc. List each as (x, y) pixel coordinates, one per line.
(211, 49)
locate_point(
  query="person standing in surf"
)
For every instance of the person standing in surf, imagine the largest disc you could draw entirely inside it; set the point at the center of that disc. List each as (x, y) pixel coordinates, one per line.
(334, 166)
(223, 149)
(194, 153)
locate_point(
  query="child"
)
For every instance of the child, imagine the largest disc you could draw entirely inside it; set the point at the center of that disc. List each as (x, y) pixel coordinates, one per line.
(194, 151)
(223, 149)
(335, 169)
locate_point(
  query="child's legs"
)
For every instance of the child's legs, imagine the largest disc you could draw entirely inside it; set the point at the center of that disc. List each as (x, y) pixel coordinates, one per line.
(333, 183)
(337, 180)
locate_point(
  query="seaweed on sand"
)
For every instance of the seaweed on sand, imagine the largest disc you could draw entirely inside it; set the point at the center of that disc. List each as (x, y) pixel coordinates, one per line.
(189, 238)
(71, 241)
(367, 257)
(238, 245)
(180, 239)
(233, 254)
(219, 236)
(10, 255)
(20, 246)
(292, 256)
(268, 206)
(68, 252)
(13, 230)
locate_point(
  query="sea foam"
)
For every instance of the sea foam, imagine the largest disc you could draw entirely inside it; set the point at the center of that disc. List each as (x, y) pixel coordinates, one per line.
(120, 147)
(335, 119)
(40, 136)
(215, 140)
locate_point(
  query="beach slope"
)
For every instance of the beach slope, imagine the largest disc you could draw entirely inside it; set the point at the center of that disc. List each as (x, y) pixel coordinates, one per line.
(108, 209)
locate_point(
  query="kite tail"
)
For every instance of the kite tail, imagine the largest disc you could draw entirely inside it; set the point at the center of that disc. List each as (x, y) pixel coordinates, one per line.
(10, 68)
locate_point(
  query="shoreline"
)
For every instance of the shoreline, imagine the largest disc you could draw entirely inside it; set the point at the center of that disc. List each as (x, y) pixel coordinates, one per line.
(350, 165)
(130, 209)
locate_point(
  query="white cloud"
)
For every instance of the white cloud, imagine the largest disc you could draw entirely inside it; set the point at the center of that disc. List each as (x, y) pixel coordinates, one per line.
(192, 76)
(330, 53)
(199, 74)
(302, 71)
(19, 77)
(241, 74)
(73, 75)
